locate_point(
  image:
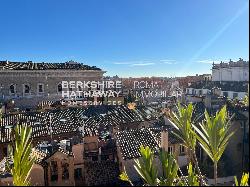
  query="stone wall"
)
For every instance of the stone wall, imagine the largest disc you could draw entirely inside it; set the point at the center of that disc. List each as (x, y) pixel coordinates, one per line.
(48, 78)
(230, 74)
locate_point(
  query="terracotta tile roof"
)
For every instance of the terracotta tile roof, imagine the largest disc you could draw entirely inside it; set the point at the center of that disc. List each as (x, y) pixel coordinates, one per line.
(130, 141)
(96, 120)
(7, 65)
(63, 121)
(41, 155)
(172, 139)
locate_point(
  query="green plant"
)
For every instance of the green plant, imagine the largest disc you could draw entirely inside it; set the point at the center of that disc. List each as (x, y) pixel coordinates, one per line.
(192, 177)
(182, 121)
(214, 135)
(169, 169)
(243, 181)
(246, 98)
(148, 171)
(145, 167)
(22, 161)
(124, 177)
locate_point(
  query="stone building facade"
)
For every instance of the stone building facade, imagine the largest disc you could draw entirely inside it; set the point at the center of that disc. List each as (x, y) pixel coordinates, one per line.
(231, 71)
(27, 83)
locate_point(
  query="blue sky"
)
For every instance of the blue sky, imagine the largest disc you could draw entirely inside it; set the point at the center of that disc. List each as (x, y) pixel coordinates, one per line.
(127, 37)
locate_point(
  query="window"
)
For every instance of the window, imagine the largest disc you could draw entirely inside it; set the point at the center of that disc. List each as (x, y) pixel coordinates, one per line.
(26, 89)
(40, 88)
(200, 92)
(171, 149)
(65, 174)
(79, 88)
(225, 94)
(59, 88)
(78, 173)
(193, 92)
(235, 95)
(54, 171)
(182, 149)
(12, 89)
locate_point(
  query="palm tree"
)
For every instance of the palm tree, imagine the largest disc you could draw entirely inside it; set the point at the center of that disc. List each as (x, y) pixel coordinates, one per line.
(169, 169)
(214, 134)
(192, 178)
(22, 162)
(145, 167)
(148, 171)
(182, 121)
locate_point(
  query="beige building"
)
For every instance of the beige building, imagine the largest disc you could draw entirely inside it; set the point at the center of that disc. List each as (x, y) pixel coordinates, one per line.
(27, 83)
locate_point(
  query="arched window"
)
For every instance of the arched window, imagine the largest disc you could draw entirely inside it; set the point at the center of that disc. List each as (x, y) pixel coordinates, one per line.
(40, 88)
(79, 88)
(59, 87)
(26, 89)
(12, 89)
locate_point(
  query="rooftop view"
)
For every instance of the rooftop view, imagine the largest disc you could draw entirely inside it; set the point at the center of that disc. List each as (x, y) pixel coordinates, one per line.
(124, 93)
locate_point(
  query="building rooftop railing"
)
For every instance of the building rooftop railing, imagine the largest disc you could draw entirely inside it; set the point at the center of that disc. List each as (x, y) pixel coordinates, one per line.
(230, 64)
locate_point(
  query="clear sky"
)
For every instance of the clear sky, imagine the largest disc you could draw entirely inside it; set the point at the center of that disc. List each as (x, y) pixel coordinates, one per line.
(126, 37)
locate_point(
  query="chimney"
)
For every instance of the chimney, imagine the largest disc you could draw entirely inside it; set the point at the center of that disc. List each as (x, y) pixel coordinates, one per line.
(164, 139)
